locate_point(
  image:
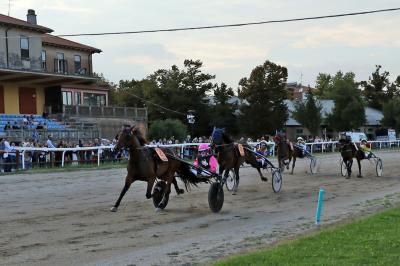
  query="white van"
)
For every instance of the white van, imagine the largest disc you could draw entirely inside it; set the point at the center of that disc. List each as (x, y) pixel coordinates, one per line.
(355, 136)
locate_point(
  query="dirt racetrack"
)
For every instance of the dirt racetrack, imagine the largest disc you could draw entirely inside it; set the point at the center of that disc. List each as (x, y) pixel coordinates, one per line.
(64, 218)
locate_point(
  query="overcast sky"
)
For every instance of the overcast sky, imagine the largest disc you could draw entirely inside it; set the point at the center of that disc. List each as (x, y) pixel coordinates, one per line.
(306, 48)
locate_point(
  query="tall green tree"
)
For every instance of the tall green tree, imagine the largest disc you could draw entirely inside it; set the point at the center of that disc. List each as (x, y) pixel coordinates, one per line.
(264, 110)
(308, 113)
(348, 112)
(391, 114)
(132, 93)
(375, 90)
(168, 128)
(322, 86)
(182, 90)
(223, 111)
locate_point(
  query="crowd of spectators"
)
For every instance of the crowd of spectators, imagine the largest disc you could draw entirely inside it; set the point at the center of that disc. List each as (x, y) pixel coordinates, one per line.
(27, 122)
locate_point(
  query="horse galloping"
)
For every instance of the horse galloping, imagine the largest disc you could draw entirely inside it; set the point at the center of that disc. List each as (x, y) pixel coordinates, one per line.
(285, 153)
(228, 155)
(348, 151)
(145, 165)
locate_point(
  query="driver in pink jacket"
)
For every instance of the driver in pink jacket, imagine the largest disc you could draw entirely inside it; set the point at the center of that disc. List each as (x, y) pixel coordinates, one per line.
(205, 159)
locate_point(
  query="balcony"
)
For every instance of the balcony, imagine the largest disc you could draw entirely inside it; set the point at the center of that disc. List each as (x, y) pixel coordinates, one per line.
(35, 72)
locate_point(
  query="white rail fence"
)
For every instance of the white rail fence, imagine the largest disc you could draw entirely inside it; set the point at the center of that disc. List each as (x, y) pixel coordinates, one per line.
(323, 147)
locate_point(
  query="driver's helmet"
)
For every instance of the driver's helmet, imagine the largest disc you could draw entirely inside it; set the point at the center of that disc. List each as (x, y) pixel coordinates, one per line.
(300, 139)
(364, 140)
(204, 149)
(348, 138)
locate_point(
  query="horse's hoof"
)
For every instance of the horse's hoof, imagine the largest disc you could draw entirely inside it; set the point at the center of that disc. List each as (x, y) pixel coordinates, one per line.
(148, 196)
(347, 177)
(359, 176)
(180, 191)
(114, 209)
(264, 179)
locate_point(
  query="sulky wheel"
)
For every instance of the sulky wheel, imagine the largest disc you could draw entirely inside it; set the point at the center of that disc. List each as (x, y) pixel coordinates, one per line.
(313, 165)
(343, 169)
(158, 194)
(216, 197)
(230, 182)
(379, 167)
(276, 180)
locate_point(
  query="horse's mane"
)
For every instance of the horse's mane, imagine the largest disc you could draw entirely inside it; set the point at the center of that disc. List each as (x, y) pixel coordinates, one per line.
(227, 139)
(136, 132)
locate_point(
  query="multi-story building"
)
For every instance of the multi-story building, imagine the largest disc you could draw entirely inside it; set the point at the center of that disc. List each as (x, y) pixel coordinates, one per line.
(41, 72)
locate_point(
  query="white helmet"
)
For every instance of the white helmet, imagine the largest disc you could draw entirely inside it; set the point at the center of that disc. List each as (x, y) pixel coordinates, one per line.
(300, 139)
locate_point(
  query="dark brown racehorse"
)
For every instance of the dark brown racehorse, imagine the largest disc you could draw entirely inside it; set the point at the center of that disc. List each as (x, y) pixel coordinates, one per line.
(145, 165)
(286, 152)
(348, 151)
(250, 158)
(228, 155)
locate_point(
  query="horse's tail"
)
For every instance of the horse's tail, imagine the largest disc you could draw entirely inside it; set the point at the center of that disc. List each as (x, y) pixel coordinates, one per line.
(188, 177)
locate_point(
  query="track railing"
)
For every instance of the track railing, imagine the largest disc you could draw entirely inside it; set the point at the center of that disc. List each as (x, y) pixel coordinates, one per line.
(184, 149)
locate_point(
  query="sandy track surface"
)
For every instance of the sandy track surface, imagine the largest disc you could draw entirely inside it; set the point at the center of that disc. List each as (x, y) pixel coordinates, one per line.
(64, 218)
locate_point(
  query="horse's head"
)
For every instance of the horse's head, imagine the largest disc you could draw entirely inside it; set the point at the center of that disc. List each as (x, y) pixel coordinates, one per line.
(129, 137)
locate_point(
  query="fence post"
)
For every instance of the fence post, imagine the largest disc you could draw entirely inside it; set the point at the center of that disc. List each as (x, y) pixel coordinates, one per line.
(98, 156)
(23, 160)
(62, 159)
(16, 160)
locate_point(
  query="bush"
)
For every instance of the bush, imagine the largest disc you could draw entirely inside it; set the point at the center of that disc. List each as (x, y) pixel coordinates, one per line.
(160, 129)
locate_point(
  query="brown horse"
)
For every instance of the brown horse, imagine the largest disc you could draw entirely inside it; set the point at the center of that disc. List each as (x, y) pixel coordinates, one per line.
(250, 158)
(228, 155)
(286, 152)
(145, 165)
(348, 151)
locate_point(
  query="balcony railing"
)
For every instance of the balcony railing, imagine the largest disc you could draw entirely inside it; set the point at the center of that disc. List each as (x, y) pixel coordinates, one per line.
(61, 66)
(33, 64)
(137, 114)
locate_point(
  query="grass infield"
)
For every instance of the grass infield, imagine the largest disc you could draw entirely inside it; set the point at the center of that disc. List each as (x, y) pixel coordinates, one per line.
(371, 241)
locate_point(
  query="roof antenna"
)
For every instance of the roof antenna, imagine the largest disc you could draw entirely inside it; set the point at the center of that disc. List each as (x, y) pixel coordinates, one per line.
(9, 7)
(301, 78)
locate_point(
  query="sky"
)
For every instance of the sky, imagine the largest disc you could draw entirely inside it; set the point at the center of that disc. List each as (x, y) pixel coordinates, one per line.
(306, 48)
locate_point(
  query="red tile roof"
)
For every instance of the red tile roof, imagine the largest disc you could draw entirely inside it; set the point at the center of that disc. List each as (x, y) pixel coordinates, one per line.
(10, 21)
(61, 42)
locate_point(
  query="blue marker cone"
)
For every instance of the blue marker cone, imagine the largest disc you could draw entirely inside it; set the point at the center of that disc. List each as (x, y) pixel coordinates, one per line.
(319, 206)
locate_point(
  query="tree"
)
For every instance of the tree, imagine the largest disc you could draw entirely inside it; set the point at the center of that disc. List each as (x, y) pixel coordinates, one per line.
(391, 114)
(132, 93)
(222, 112)
(264, 110)
(322, 86)
(182, 90)
(168, 128)
(308, 113)
(375, 90)
(348, 112)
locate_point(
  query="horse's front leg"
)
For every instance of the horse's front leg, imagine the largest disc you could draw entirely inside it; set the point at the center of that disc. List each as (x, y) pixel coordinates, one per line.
(359, 168)
(128, 181)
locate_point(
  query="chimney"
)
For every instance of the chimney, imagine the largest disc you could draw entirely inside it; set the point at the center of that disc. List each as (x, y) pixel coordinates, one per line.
(31, 17)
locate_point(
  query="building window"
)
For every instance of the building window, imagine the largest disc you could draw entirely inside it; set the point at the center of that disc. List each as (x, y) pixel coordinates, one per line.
(94, 99)
(60, 65)
(43, 59)
(24, 47)
(299, 131)
(67, 97)
(78, 100)
(77, 62)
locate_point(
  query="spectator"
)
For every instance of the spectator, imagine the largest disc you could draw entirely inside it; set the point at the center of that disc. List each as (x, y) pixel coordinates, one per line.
(39, 126)
(49, 141)
(7, 126)
(6, 157)
(15, 125)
